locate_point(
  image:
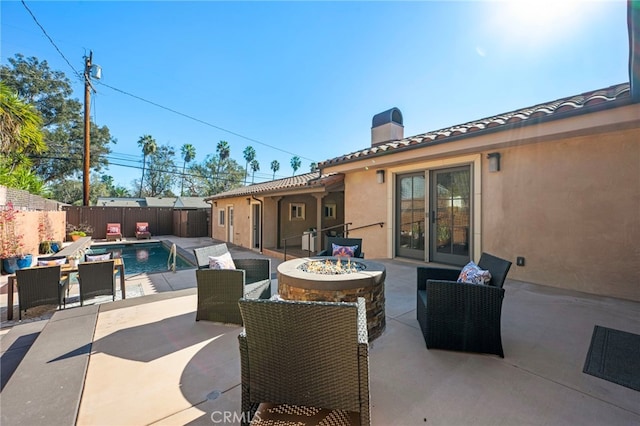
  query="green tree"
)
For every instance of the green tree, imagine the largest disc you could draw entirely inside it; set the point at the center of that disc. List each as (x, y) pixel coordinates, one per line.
(111, 189)
(224, 151)
(20, 125)
(20, 136)
(62, 119)
(249, 155)
(313, 167)
(149, 147)
(275, 166)
(212, 177)
(160, 175)
(255, 166)
(188, 154)
(295, 164)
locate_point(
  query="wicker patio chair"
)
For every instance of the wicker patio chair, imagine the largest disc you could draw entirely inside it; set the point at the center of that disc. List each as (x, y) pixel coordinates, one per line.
(310, 357)
(342, 242)
(460, 316)
(114, 231)
(202, 254)
(96, 279)
(220, 289)
(40, 285)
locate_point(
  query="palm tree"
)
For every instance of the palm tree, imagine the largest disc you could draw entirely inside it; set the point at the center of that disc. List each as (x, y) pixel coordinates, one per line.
(255, 166)
(275, 166)
(249, 155)
(149, 146)
(224, 151)
(20, 125)
(188, 154)
(295, 164)
(313, 167)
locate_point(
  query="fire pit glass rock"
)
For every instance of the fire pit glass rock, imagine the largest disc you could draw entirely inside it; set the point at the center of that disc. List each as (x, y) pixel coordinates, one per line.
(332, 266)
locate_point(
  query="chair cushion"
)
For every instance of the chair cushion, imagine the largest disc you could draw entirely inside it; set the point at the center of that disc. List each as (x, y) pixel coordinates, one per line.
(472, 274)
(224, 261)
(343, 251)
(97, 257)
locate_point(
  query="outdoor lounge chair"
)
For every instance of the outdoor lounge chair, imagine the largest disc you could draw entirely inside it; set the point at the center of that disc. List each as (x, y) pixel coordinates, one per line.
(220, 289)
(350, 242)
(96, 279)
(114, 232)
(461, 316)
(40, 285)
(142, 230)
(304, 356)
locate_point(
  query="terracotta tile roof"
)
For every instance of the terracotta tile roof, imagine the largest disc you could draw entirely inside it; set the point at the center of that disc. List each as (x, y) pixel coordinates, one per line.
(307, 180)
(580, 104)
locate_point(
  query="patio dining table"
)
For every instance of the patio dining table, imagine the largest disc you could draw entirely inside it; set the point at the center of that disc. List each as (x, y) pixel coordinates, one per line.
(65, 269)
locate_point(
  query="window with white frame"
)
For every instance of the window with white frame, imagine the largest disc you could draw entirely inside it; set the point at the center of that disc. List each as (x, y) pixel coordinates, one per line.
(330, 210)
(221, 217)
(296, 211)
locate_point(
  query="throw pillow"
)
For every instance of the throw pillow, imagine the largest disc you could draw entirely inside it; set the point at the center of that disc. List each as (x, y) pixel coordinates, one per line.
(142, 228)
(472, 274)
(97, 257)
(114, 230)
(343, 251)
(224, 261)
(52, 261)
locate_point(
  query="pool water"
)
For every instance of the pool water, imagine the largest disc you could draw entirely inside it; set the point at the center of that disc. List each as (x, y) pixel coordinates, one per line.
(142, 257)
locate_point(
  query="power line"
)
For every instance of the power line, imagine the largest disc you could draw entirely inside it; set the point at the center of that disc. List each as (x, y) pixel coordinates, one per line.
(151, 102)
(206, 123)
(50, 40)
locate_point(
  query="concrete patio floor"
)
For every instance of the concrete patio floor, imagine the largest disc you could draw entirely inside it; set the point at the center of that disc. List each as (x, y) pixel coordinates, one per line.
(151, 363)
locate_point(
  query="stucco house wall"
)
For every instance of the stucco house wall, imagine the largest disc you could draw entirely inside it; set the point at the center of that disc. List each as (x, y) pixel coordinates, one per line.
(569, 205)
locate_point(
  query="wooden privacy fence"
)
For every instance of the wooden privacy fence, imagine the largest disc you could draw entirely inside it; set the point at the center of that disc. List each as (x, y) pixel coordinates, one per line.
(162, 220)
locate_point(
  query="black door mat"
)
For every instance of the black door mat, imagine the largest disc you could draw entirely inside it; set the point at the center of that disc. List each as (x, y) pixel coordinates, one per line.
(614, 356)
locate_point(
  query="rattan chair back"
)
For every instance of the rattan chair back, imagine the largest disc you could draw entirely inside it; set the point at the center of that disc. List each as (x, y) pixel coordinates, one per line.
(39, 285)
(96, 279)
(312, 354)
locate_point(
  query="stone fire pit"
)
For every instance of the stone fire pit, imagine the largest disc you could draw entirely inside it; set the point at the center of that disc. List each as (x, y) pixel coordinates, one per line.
(366, 279)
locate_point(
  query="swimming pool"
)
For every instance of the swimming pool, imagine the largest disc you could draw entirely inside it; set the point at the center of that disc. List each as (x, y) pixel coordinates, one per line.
(142, 257)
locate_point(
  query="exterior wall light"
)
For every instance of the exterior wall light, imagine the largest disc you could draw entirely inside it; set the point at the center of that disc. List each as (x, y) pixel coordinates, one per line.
(380, 176)
(494, 161)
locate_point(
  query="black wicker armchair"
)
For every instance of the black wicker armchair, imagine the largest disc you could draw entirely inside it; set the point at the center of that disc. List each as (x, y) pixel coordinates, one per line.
(40, 285)
(308, 358)
(96, 279)
(220, 289)
(460, 316)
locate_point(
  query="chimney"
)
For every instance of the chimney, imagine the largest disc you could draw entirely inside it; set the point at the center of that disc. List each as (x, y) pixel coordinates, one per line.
(387, 126)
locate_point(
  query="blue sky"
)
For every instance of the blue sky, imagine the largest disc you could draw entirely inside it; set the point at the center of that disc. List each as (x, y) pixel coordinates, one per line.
(306, 78)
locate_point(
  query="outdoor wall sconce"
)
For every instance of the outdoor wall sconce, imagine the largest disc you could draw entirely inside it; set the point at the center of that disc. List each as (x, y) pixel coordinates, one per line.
(215, 203)
(494, 161)
(248, 201)
(380, 176)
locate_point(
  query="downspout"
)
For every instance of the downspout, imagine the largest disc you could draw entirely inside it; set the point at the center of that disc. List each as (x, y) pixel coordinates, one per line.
(633, 25)
(261, 219)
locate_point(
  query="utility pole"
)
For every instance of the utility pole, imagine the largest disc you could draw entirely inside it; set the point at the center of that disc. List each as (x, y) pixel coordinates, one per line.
(87, 128)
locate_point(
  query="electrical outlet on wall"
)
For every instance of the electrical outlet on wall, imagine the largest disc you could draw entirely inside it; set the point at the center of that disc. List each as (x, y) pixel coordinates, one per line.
(520, 261)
